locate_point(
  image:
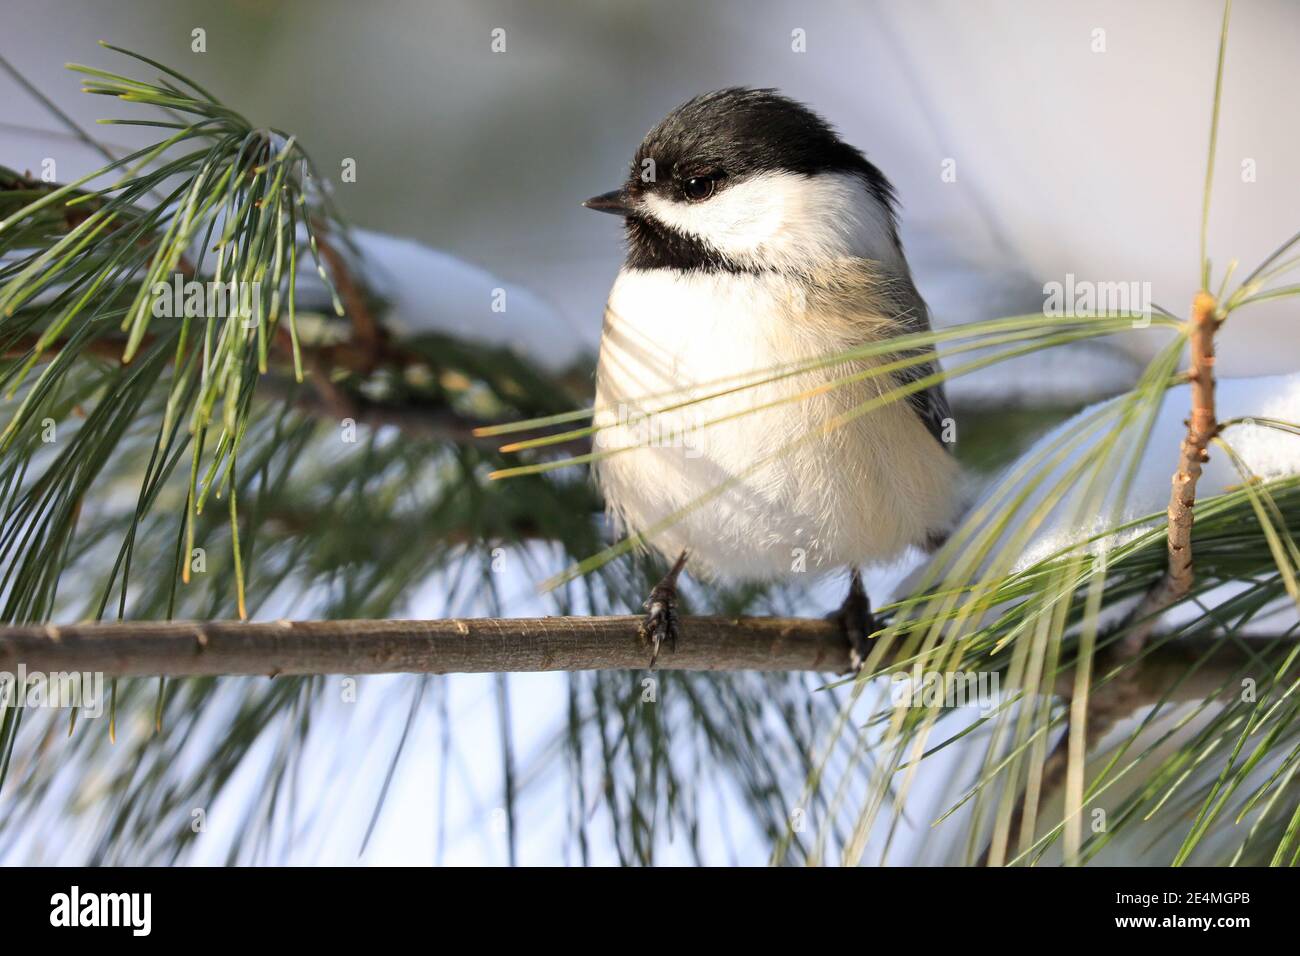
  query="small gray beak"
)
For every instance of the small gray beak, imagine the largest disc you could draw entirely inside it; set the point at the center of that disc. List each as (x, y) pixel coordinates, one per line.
(616, 202)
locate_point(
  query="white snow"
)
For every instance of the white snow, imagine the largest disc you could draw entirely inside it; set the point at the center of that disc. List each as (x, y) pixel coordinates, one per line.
(433, 291)
(1268, 452)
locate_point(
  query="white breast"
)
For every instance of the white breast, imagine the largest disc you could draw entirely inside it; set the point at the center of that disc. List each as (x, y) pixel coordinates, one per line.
(764, 494)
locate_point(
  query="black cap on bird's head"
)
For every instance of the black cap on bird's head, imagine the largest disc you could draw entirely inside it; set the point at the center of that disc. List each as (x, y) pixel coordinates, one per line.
(713, 182)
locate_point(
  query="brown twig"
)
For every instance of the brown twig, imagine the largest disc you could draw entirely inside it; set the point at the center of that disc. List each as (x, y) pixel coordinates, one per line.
(495, 645)
(1202, 427)
(369, 337)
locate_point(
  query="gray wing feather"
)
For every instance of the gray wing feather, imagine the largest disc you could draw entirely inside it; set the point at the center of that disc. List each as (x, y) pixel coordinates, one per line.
(931, 404)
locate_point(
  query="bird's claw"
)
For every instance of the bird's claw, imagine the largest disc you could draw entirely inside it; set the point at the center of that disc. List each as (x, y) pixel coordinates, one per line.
(660, 621)
(856, 622)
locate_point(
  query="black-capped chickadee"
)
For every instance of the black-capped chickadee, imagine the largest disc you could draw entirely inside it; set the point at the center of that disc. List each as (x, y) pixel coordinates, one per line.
(758, 239)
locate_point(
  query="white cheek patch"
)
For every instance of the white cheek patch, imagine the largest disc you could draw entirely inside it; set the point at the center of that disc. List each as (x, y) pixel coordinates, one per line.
(786, 220)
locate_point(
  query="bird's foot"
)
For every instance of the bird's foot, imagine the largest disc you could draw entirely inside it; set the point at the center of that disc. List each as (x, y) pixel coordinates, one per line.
(660, 622)
(856, 621)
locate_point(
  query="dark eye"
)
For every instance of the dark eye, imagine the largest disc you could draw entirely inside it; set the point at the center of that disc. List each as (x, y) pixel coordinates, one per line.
(699, 188)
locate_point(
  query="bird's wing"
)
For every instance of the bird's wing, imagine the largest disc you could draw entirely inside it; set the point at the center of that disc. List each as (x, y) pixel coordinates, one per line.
(930, 404)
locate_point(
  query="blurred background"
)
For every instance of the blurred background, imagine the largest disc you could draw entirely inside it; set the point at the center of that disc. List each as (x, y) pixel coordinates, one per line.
(1027, 141)
(1077, 132)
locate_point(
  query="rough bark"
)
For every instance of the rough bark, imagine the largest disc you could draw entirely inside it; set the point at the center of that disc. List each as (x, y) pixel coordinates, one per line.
(1202, 426)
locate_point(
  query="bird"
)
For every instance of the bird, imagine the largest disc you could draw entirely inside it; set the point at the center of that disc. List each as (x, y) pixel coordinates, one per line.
(758, 245)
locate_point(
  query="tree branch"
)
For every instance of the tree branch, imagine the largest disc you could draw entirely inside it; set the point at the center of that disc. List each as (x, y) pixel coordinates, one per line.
(1202, 426)
(464, 645)
(494, 645)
